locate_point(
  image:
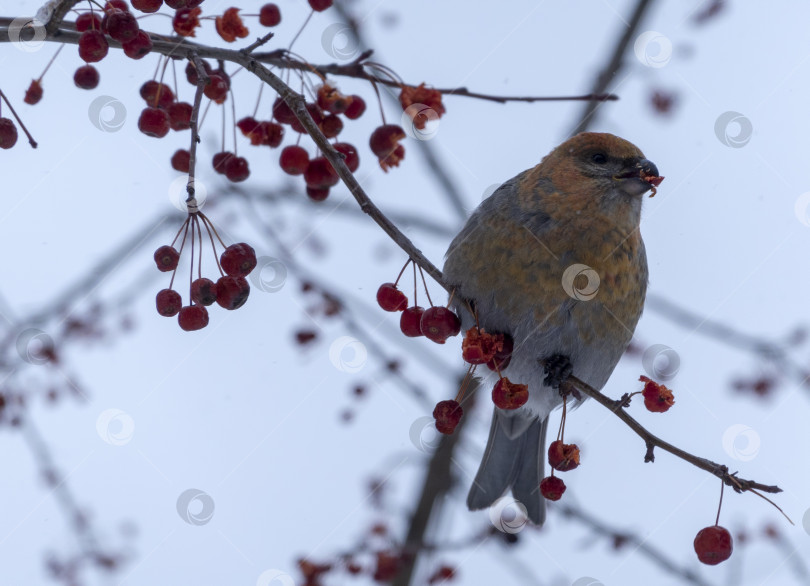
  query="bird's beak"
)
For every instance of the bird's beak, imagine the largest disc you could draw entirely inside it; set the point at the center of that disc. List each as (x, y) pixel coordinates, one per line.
(643, 170)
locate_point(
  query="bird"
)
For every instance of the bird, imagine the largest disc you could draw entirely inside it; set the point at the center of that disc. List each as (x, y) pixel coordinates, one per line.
(553, 257)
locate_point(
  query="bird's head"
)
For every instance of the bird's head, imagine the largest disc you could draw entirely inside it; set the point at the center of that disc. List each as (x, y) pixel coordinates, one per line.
(601, 164)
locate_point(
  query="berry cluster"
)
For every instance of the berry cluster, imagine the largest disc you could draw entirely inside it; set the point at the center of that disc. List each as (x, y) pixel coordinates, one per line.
(231, 289)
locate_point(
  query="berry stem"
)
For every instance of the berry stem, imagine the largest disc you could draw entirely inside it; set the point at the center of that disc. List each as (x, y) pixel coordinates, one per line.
(462, 390)
(205, 219)
(379, 100)
(48, 66)
(200, 239)
(425, 285)
(213, 245)
(399, 276)
(414, 285)
(233, 115)
(191, 264)
(258, 100)
(182, 245)
(178, 232)
(31, 140)
(300, 30)
(720, 504)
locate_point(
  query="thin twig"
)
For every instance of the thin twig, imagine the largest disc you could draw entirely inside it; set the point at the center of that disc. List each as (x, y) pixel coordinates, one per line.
(652, 441)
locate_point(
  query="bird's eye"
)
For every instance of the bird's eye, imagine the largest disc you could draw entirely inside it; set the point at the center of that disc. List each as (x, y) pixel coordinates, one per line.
(599, 158)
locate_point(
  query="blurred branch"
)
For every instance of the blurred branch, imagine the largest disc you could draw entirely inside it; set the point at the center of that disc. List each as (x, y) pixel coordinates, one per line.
(437, 482)
(614, 65)
(622, 538)
(353, 325)
(404, 219)
(770, 351)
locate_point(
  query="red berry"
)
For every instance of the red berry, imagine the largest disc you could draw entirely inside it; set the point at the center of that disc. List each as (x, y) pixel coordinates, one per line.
(147, 6)
(166, 258)
(185, 21)
(294, 160)
(111, 5)
(355, 108)
(88, 21)
(410, 321)
(86, 77)
(34, 93)
(282, 112)
(331, 126)
(181, 160)
(657, 397)
(179, 115)
(552, 487)
(317, 193)
(238, 259)
(352, 159)
(193, 317)
(154, 122)
(191, 71)
(168, 302)
(509, 395)
(203, 291)
(447, 415)
(221, 161)
(236, 169)
(8, 133)
(217, 90)
(121, 26)
(384, 143)
(439, 323)
(138, 47)
(157, 95)
(93, 46)
(563, 457)
(232, 292)
(390, 298)
(502, 357)
(479, 346)
(320, 5)
(269, 15)
(713, 545)
(320, 174)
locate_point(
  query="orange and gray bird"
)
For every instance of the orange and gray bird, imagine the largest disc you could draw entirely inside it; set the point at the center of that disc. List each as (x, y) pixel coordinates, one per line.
(553, 257)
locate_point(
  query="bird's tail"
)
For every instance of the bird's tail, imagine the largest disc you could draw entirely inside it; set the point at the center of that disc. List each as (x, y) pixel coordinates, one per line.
(514, 458)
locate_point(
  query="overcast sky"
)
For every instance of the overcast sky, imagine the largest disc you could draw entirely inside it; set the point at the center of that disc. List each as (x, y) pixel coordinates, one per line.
(252, 422)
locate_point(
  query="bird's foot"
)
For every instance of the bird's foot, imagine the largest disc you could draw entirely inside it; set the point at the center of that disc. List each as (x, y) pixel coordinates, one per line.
(558, 368)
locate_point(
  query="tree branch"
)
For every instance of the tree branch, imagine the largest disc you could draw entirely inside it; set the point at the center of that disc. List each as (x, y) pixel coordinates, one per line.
(652, 441)
(614, 65)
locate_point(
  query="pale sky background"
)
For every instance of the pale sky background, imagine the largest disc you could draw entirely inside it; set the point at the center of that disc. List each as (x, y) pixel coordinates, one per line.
(241, 413)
